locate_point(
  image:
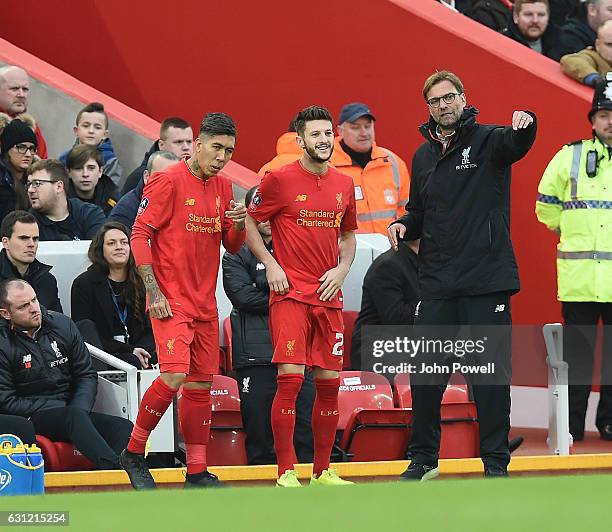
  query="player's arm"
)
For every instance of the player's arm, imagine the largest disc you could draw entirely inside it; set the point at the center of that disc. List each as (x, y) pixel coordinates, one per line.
(277, 280)
(233, 230)
(331, 280)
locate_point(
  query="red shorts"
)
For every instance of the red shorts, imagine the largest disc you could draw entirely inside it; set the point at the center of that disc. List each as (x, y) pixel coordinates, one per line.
(185, 345)
(309, 335)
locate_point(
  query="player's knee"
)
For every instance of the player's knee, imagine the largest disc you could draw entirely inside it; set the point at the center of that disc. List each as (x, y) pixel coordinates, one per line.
(198, 385)
(173, 380)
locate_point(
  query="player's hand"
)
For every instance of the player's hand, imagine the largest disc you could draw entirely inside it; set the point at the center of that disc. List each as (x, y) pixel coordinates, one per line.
(392, 233)
(331, 282)
(143, 356)
(159, 308)
(237, 214)
(521, 120)
(277, 279)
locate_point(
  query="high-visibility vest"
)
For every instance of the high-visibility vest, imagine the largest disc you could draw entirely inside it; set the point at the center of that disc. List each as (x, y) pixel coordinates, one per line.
(287, 151)
(579, 207)
(381, 188)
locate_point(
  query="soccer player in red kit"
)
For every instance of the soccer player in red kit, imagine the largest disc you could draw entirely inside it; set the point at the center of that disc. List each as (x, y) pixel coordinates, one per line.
(186, 212)
(311, 209)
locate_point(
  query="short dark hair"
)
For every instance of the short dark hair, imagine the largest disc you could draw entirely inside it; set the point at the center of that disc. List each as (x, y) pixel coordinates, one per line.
(8, 222)
(56, 170)
(173, 121)
(5, 286)
(218, 124)
(248, 197)
(93, 107)
(80, 154)
(165, 154)
(314, 112)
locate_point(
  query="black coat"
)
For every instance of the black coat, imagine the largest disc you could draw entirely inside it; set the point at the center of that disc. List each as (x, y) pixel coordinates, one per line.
(7, 190)
(106, 194)
(39, 276)
(136, 176)
(52, 370)
(246, 286)
(127, 207)
(459, 207)
(551, 41)
(91, 299)
(389, 296)
(576, 34)
(86, 221)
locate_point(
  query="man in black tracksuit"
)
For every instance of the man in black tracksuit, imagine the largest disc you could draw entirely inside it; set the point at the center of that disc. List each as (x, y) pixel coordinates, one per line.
(246, 286)
(459, 207)
(46, 375)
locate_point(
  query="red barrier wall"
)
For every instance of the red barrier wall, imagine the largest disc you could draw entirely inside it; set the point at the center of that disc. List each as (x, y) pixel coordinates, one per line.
(262, 61)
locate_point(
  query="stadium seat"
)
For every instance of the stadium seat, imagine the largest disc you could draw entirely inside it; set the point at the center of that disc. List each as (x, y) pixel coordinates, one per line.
(62, 456)
(348, 317)
(363, 390)
(401, 390)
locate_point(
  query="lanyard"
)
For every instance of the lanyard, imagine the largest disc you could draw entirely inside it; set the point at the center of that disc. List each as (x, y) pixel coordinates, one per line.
(123, 314)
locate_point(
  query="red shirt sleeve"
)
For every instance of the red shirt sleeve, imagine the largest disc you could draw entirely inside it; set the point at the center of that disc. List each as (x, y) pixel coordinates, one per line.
(157, 201)
(349, 220)
(268, 200)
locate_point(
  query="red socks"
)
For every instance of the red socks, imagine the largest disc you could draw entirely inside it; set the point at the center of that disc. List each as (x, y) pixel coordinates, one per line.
(195, 412)
(283, 418)
(155, 402)
(324, 422)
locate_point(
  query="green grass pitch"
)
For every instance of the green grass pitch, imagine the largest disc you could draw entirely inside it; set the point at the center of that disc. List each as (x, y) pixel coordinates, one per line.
(523, 504)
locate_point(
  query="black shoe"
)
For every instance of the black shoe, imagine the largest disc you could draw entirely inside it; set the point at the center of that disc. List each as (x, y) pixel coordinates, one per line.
(606, 433)
(420, 472)
(514, 444)
(495, 472)
(204, 479)
(135, 466)
(578, 436)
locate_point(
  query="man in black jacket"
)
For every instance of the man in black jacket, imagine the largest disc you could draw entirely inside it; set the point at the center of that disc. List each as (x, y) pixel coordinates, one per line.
(60, 218)
(246, 286)
(580, 30)
(19, 233)
(460, 208)
(389, 296)
(46, 375)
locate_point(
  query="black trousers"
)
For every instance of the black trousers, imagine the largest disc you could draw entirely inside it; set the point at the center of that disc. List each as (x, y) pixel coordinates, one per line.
(18, 426)
(492, 400)
(257, 386)
(100, 437)
(579, 338)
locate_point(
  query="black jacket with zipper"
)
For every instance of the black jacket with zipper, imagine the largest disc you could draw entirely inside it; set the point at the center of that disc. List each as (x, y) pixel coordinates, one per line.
(246, 286)
(459, 207)
(51, 370)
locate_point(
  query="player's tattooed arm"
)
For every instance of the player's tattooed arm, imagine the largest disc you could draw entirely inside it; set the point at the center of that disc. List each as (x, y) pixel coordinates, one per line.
(159, 307)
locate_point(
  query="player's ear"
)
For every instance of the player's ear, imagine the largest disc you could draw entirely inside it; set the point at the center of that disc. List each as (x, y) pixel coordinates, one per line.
(300, 141)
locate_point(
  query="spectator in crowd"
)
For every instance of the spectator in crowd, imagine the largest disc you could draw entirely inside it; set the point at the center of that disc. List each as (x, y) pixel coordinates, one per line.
(19, 232)
(87, 180)
(491, 13)
(127, 207)
(46, 376)
(175, 136)
(18, 426)
(460, 209)
(14, 93)
(583, 170)
(92, 129)
(580, 30)
(111, 294)
(389, 296)
(18, 146)
(60, 217)
(380, 177)
(560, 10)
(287, 151)
(590, 66)
(246, 286)
(530, 25)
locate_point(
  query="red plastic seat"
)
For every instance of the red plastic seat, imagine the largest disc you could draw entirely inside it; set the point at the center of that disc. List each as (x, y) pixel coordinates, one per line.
(401, 390)
(348, 317)
(460, 433)
(62, 456)
(362, 390)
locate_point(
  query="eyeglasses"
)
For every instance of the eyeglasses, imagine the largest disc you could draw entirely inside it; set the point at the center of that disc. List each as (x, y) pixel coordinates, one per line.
(448, 98)
(35, 183)
(24, 148)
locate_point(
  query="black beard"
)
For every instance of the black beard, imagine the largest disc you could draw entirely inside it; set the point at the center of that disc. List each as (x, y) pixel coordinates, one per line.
(313, 155)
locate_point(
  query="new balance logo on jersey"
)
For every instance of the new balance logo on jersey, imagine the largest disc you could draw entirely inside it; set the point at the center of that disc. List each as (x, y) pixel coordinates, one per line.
(190, 202)
(245, 384)
(465, 160)
(301, 197)
(500, 308)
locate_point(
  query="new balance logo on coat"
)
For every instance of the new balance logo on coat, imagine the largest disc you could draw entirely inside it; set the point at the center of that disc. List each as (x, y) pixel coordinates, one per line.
(500, 308)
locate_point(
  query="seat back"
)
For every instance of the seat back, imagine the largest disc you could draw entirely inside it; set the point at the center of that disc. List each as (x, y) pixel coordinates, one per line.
(348, 317)
(62, 456)
(401, 390)
(224, 394)
(362, 390)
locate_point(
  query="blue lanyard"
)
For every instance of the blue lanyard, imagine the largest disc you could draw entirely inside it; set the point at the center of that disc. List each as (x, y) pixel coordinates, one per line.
(123, 314)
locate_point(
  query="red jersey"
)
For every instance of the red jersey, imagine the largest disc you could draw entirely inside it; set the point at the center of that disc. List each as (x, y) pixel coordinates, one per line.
(183, 216)
(307, 213)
